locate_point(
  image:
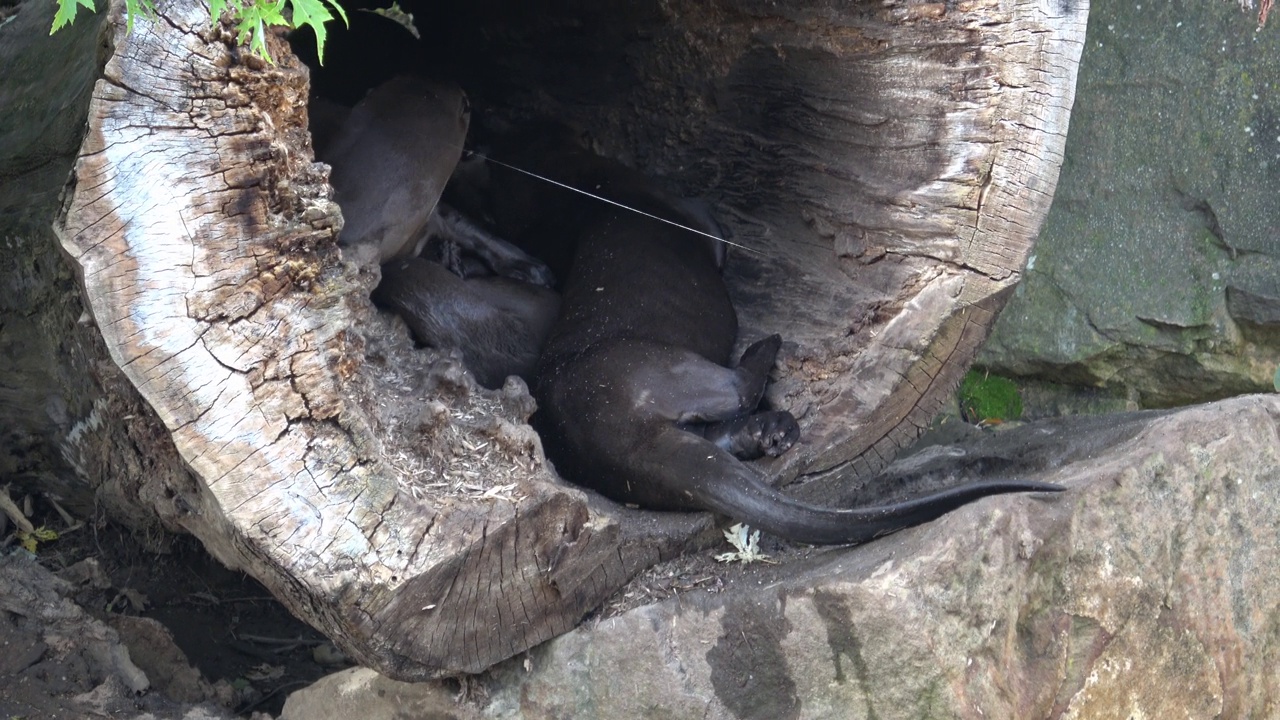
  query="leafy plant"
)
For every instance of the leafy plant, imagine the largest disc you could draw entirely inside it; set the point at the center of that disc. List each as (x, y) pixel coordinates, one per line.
(31, 540)
(251, 17)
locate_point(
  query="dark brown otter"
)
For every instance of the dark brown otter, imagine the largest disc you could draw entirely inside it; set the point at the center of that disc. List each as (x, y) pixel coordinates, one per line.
(498, 324)
(635, 396)
(391, 157)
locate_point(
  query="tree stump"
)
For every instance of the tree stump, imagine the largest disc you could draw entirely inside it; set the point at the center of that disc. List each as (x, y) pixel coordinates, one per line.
(888, 164)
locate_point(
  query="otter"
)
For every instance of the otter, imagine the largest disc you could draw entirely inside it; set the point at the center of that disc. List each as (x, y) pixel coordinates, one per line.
(391, 156)
(636, 398)
(499, 324)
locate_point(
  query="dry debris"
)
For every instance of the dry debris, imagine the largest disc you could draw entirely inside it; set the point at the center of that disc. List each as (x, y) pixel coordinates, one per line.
(444, 437)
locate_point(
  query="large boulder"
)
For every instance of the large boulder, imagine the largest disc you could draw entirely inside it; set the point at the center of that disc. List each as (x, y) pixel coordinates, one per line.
(1157, 273)
(1147, 590)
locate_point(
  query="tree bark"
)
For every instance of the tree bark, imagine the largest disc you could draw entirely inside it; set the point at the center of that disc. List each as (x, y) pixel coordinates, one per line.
(889, 165)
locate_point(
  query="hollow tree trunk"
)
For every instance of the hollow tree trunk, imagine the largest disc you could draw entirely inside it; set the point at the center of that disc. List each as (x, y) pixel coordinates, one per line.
(889, 164)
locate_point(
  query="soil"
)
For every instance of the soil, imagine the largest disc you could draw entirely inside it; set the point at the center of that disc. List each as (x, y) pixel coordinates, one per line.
(248, 650)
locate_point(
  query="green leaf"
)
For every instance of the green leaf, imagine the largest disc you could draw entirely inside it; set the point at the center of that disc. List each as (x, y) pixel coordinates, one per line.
(216, 8)
(133, 8)
(341, 13)
(254, 19)
(313, 13)
(67, 12)
(397, 15)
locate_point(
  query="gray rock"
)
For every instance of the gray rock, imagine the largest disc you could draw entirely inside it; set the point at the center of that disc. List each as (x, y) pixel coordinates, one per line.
(1147, 590)
(362, 693)
(1157, 274)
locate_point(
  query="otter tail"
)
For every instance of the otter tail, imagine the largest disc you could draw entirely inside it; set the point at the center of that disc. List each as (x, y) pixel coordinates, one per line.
(724, 484)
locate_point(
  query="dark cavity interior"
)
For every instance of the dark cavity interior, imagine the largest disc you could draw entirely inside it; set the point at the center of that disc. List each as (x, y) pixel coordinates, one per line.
(796, 121)
(740, 105)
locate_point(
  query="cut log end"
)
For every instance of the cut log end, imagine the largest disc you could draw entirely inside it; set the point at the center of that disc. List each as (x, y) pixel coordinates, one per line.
(887, 168)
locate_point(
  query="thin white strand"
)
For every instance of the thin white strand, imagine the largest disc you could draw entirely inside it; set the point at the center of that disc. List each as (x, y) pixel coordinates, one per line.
(611, 202)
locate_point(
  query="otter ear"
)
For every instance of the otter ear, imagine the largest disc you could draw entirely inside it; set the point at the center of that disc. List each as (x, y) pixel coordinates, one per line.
(704, 219)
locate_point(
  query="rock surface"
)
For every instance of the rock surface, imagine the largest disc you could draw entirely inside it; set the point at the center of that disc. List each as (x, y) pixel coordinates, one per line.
(1147, 590)
(1157, 273)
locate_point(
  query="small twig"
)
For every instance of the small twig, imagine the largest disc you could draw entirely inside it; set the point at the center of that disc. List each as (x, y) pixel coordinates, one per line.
(72, 523)
(11, 509)
(246, 709)
(291, 642)
(250, 599)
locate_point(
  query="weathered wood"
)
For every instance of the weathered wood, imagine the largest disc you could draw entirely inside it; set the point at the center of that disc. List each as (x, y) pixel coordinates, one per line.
(890, 165)
(71, 426)
(204, 237)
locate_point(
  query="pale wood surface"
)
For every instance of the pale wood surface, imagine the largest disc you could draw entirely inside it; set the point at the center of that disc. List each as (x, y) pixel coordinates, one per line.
(890, 163)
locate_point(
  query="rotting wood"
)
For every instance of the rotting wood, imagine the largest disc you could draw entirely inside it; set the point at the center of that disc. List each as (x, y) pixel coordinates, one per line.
(892, 232)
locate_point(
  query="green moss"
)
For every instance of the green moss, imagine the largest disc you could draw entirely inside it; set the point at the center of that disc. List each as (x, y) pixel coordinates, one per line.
(986, 397)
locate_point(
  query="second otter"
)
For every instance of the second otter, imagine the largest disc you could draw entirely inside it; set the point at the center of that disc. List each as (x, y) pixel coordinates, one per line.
(635, 396)
(391, 157)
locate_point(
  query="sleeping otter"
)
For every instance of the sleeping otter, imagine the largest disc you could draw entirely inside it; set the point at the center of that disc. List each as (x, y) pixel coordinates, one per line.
(635, 395)
(391, 156)
(498, 324)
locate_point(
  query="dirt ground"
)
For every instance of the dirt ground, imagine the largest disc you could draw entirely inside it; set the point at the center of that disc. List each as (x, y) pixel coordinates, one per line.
(248, 650)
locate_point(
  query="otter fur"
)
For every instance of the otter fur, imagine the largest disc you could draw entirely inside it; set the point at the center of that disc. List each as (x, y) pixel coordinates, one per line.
(391, 156)
(636, 397)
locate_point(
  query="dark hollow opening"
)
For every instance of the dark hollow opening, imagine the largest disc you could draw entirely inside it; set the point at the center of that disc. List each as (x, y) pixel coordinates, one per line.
(800, 125)
(738, 130)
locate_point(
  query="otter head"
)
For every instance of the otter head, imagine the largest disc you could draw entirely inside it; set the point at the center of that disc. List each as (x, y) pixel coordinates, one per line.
(391, 159)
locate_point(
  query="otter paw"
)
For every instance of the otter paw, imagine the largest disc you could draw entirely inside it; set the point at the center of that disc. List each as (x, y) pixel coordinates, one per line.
(773, 432)
(451, 258)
